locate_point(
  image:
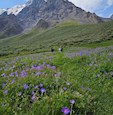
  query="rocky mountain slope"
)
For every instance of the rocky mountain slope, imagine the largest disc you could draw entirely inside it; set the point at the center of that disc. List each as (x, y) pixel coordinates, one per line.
(49, 12)
(54, 11)
(9, 25)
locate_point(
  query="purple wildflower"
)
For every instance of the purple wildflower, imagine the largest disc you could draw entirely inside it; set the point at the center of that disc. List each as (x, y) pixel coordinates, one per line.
(2, 104)
(48, 66)
(41, 85)
(26, 86)
(33, 93)
(68, 83)
(65, 110)
(32, 67)
(53, 67)
(72, 101)
(36, 86)
(12, 74)
(6, 91)
(3, 84)
(16, 73)
(64, 88)
(38, 68)
(90, 64)
(82, 87)
(38, 73)
(33, 97)
(56, 75)
(23, 74)
(20, 93)
(42, 90)
(46, 74)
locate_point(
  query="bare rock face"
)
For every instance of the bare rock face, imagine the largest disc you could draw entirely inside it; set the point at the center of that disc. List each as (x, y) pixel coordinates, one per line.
(42, 24)
(9, 25)
(54, 11)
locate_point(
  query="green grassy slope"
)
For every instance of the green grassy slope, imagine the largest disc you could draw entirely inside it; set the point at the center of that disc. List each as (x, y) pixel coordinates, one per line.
(66, 34)
(86, 79)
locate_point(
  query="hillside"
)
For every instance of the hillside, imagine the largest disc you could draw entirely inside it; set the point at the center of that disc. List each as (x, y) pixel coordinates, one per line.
(9, 25)
(65, 34)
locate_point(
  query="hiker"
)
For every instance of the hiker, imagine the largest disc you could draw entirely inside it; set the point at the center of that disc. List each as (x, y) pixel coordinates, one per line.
(60, 49)
(52, 50)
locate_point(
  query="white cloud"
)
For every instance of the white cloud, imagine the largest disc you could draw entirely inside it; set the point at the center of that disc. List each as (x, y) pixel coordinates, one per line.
(86, 4)
(92, 5)
(110, 2)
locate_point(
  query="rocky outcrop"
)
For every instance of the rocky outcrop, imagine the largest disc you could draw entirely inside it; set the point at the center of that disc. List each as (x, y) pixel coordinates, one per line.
(42, 24)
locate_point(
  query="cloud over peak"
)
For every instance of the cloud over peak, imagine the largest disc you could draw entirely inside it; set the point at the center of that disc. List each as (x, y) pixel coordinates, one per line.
(97, 6)
(110, 2)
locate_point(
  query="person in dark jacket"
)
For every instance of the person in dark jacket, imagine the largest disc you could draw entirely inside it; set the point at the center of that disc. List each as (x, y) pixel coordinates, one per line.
(52, 50)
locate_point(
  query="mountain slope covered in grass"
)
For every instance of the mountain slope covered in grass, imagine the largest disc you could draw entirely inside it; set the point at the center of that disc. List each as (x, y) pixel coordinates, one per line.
(65, 34)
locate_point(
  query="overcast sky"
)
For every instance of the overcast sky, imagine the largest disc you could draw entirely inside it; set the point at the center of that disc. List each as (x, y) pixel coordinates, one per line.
(102, 8)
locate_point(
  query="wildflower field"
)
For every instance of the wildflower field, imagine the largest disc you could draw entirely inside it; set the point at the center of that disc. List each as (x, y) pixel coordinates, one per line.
(75, 83)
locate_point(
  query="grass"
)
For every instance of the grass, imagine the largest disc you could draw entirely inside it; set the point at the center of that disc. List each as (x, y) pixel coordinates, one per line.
(43, 83)
(68, 34)
(98, 44)
(87, 79)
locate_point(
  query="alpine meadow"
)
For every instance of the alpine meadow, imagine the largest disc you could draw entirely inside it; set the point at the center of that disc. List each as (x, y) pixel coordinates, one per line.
(55, 59)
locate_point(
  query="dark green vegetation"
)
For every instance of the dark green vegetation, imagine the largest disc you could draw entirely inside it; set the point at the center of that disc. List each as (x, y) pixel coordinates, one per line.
(86, 79)
(66, 35)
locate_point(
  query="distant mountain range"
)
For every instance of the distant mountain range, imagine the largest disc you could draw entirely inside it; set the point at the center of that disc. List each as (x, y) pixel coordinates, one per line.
(50, 12)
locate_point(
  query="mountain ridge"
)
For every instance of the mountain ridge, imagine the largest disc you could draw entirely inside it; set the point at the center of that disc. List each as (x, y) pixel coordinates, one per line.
(55, 10)
(51, 12)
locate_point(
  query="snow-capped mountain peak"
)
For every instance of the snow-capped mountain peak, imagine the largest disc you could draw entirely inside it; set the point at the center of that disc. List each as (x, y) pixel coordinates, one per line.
(14, 10)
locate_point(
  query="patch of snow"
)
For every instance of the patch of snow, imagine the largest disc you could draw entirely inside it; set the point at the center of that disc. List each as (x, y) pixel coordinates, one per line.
(2, 11)
(16, 9)
(45, 0)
